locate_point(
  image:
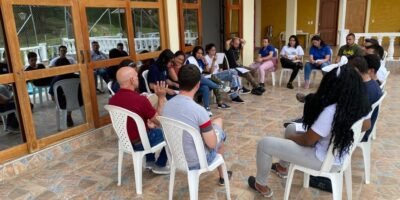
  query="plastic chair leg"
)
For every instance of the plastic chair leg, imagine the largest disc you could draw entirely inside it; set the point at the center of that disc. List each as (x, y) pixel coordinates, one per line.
(226, 181)
(58, 116)
(280, 78)
(289, 180)
(298, 80)
(348, 180)
(4, 119)
(171, 183)
(273, 78)
(337, 186)
(34, 94)
(120, 159)
(40, 95)
(366, 150)
(137, 165)
(193, 181)
(306, 180)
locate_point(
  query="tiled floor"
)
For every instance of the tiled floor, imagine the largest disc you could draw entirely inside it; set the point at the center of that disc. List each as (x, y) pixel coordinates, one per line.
(91, 172)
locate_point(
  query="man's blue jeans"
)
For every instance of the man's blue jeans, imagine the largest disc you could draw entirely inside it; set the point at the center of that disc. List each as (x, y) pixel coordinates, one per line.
(227, 75)
(309, 67)
(156, 136)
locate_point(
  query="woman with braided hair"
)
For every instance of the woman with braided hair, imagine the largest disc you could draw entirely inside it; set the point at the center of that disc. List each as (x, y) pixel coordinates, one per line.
(339, 102)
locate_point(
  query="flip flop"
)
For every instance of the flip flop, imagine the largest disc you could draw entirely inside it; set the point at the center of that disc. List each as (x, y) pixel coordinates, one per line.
(252, 184)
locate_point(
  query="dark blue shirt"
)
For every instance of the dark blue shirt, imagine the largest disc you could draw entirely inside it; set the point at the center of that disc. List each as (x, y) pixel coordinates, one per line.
(264, 52)
(374, 93)
(157, 73)
(320, 53)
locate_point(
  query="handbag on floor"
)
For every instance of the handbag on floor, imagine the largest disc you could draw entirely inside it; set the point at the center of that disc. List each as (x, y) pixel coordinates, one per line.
(321, 183)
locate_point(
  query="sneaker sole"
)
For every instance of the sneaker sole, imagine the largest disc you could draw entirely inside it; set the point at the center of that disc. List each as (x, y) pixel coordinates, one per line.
(161, 172)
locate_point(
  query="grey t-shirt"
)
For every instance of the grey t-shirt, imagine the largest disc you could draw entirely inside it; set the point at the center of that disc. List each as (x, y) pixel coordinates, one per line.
(184, 109)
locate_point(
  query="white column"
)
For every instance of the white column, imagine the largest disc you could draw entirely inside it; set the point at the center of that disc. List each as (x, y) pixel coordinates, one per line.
(391, 48)
(248, 32)
(342, 22)
(173, 24)
(291, 18)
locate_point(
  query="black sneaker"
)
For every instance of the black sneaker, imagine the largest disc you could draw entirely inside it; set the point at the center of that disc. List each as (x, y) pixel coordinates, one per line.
(223, 106)
(261, 89)
(222, 181)
(289, 85)
(255, 91)
(237, 100)
(244, 91)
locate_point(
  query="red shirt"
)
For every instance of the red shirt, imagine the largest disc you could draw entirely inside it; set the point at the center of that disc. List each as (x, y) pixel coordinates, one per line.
(136, 103)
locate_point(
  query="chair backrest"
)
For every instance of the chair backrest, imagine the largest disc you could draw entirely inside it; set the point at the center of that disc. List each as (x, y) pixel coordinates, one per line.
(374, 106)
(225, 60)
(383, 84)
(173, 132)
(109, 86)
(144, 75)
(193, 61)
(119, 118)
(330, 158)
(70, 88)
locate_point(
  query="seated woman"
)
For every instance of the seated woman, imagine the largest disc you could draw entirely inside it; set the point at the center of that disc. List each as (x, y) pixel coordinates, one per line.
(340, 101)
(266, 60)
(320, 55)
(230, 75)
(291, 58)
(207, 82)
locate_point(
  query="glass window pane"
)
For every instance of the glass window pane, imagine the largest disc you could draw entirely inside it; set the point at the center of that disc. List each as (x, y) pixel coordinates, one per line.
(191, 27)
(107, 33)
(146, 22)
(234, 23)
(49, 106)
(10, 130)
(43, 29)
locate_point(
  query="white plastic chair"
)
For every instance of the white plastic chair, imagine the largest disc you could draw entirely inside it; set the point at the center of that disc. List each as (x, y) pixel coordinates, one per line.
(337, 176)
(383, 85)
(366, 146)
(119, 117)
(144, 75)
(173, 133)
(109, 86)
(276, 66)
(3, 116)
(70, 87)
(287, 72)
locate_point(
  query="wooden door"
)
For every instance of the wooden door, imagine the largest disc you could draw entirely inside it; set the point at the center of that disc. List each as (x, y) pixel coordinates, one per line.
(356, 11)
(328, 19)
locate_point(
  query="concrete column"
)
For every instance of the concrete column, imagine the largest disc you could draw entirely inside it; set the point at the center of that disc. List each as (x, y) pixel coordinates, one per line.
(342, 22)
(291, 18)
(173, 24)
(248, 31)
(258, 30)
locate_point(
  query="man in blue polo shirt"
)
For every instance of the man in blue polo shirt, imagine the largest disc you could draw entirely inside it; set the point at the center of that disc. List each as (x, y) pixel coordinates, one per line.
(320, 56)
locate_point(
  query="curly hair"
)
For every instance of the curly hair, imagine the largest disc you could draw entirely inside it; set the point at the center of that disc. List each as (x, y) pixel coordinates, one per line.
(349, 94)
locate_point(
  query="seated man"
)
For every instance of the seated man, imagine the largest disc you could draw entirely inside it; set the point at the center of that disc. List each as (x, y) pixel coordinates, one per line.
(350, 48)
(128, 98)
(372, 46)
(185, 109)
(232, 51)
(32, 59)
(374, 64)
(374, 92)
(62, 51)
(120, 48)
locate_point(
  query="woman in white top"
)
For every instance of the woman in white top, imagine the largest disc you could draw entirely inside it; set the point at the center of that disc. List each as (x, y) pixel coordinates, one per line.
(340, 101)
(291, 57)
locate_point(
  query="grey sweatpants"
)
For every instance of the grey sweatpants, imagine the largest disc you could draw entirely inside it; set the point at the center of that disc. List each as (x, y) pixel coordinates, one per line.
(287, 151)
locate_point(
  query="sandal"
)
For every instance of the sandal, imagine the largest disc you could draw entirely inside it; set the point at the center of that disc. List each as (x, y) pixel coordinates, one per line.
(274, 169)
(252, 184)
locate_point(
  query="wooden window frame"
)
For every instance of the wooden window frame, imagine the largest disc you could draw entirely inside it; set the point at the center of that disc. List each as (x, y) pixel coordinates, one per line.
(193, 6)
(228, 11)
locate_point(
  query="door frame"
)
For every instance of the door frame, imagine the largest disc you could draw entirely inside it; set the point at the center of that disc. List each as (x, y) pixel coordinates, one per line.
(229, 7)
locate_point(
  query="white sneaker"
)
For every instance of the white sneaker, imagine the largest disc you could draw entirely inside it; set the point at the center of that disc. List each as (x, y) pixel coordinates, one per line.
(150, 165)
(160, 170)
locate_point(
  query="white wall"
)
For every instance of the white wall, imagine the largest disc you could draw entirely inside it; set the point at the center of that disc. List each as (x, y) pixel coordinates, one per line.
(248, 31)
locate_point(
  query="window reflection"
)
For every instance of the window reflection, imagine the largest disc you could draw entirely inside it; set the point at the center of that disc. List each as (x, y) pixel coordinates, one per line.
(191, 27)
(146, 23)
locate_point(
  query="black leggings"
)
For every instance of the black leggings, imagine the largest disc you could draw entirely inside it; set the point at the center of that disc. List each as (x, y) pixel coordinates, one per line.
(286, 63)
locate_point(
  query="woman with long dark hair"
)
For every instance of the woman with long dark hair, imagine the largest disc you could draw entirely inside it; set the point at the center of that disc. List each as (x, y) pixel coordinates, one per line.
(340, 101)
(291, 58)
(320, 56)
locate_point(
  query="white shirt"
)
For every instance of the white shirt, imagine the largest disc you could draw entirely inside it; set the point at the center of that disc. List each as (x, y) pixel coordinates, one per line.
(291, 52)
(215, 67)
(381, 73)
